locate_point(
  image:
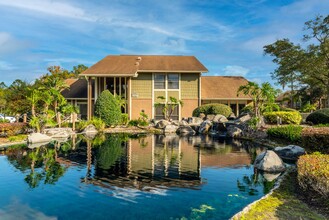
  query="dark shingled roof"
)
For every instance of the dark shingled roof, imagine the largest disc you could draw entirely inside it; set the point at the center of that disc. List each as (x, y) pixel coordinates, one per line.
(78, 89)
(222, 87)
(129, 65)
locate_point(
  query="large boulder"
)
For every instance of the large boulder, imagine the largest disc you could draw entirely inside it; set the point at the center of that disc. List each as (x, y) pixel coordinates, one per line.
(220, 118)
(204, 127)
(185, 130)
(162, 124)
(38, 138)
(243, 118)
(183, 123)
(90, 129)
(194, 120)
(290, 152)
(233, 131)
(210, 117)
(170, 128)
(231, 116)
(269, 161)
(59, 132)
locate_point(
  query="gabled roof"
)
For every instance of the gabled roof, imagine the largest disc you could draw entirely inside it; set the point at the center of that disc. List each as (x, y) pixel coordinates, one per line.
(130, 65)
(222, 87)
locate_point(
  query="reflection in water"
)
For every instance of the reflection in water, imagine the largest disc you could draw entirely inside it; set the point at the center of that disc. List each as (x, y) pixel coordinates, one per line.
(157, 176)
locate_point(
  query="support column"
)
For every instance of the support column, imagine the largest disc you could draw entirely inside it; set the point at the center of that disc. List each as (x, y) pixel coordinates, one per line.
(89, 103)
(129, 97)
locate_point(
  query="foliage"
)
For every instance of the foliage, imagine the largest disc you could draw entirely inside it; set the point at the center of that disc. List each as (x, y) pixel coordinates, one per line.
(81, 125)
(3, 120)
(212, 109)
(319, 117)
(134, 122)
(109, 152)
(16, 138)
(247, 109)
(253, 122)
(293, 117)
(124, 119)
(316, 139)
(321, 125)
(313, 173)
(108, 108)
(11, 129)
(307, 66)
(263, 96)
(290, 132)
(308, 107)
(168, 106)
(141, 121)
(98, 123)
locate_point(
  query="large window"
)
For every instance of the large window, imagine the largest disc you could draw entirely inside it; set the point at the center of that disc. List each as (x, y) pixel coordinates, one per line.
(173, 81)
(159, 113)
(159, 81)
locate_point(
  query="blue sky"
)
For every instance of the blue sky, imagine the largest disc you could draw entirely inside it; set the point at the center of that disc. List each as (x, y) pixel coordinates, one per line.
(227, 36)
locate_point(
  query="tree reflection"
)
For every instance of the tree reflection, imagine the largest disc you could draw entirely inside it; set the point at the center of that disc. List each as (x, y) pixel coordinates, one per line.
(249, 184)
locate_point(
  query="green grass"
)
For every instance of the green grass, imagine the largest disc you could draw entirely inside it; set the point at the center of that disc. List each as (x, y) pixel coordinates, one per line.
(17, 138)
(290, 132)
(283, 203)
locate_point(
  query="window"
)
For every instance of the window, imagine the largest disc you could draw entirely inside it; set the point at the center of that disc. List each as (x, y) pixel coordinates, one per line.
(173, 81)
(159, 81)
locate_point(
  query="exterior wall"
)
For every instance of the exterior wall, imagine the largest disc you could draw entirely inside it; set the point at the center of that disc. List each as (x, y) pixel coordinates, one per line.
(139, 105)
(141, 95)
(190, 86)
(189, 106)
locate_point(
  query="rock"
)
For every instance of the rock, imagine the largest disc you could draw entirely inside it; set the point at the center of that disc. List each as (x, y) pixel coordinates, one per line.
(243, 118)
(38, 138)
(233, 131)
(59, 132)
(210, 117)
(194, 121)
(204, 127)
(202, 116)
(176, 123)
(162, 124)
(220, 118)
(90, 129)
(185, 130)
(270, 176)
(170, 128)
(231, 116)
(269, 161)
(183, 123)
(290, 152)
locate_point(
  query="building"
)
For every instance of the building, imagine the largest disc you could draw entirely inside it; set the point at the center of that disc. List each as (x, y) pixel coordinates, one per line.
(140, 80)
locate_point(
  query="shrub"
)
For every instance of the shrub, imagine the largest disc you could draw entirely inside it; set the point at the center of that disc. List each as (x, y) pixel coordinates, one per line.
(124, 119)
(212, 109)
(81, 125)
(292, 117)
(11, 129)
(134, 122)
(285, 109)
(108, 108)
(316, 138)
(20, 137)
(2, 120)
(290, 132)
(98, 123)
(308, 107)
(319, 117)
(313, 173)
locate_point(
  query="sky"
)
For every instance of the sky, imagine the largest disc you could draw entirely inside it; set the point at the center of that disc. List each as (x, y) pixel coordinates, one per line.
(227, 36)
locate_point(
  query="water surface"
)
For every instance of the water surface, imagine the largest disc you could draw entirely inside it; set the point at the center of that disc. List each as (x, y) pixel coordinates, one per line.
(120, 177)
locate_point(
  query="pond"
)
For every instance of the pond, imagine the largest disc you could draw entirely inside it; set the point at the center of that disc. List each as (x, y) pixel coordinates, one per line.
(136, 177)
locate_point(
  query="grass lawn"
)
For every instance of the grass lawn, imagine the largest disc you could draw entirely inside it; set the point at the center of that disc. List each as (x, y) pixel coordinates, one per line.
(286, 202)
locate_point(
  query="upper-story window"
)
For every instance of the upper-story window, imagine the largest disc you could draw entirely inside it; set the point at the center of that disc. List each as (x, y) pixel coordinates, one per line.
(159, 81)
(173, 81)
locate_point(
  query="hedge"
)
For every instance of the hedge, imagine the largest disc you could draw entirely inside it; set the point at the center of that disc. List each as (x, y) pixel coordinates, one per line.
(316, 139)
(313, 173)
(319, 117)
(212, 109)
(287, 117)
(11, 129)
(290, 132)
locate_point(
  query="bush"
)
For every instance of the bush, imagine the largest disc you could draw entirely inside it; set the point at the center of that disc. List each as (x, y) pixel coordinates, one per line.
(292, 117)
(2, 120)
(133, 122)
(316, 138)
(313, 173)
(124, 119)
(308, 107)
(81, 125)
(108, 108)
(290, 132)
(212, 109)
(11, 129)
(285, 109)
(319, 117)
(98, 123)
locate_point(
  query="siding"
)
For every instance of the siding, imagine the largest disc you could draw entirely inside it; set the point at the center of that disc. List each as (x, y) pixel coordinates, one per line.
(142, 86)
(157, 94)
(174, 94)
(190, 86)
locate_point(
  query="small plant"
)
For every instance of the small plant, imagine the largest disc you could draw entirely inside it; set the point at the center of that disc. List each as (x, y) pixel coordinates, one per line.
(20, 137)
(169, 106)
(143, 119)
(308, 107)
(133, 122)
(253, 122)
(293, 117)
(124, 119)
(98, 123)
(2, 120)
(290, 132)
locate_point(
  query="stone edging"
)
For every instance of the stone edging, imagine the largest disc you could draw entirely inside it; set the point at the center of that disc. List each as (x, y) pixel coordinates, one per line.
(276, 186)
(12, 143)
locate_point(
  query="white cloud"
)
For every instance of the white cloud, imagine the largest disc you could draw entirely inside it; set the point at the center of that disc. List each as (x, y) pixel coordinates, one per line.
(9, 44)
(5, 66)
(235, 71)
